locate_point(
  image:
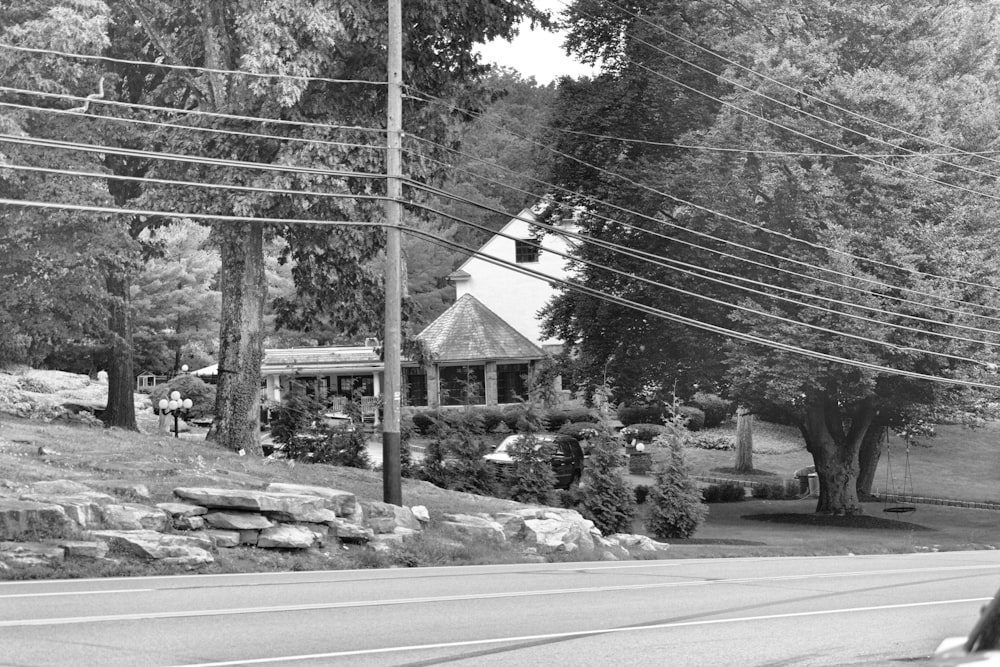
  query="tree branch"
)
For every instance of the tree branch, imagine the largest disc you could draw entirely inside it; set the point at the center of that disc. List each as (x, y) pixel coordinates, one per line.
(147, 25)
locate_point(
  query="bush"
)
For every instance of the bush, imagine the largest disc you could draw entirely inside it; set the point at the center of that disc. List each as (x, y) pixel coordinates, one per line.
(296, 415)
(694, 419)
(581, 430)
(713, 441)
(716, 408)
(641, 414)
(609, 501)
(424, 421)
(641, 492)
(334, 446)
(728, 492)
(771, 491)
(454, 460)
(531, 478)
(643, 432)
(202, 395)
(524, 418)
(492, 418)
(677, 510)
(557, 418)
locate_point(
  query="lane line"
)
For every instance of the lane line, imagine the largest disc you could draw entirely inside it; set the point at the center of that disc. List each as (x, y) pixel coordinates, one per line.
(62, 593)
(73, 620)
(576, 633)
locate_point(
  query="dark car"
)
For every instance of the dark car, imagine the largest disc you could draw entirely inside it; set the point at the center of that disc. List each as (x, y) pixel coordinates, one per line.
(567, 457)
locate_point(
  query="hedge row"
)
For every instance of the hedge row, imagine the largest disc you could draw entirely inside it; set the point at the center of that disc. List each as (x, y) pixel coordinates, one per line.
(489, 420)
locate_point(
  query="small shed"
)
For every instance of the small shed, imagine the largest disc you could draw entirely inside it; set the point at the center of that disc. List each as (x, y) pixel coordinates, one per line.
(146, 381)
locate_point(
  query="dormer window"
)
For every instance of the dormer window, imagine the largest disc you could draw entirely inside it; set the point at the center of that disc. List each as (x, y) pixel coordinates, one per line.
(525, 252)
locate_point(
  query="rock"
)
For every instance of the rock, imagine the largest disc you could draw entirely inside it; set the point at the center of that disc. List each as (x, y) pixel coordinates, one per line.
(345, 504)
(189, 523)
(237, 521)
(133, 516)
(59, 487)
(82, 549)
(321, 533)
(289, 504)
(420, 513)
(27, 520)
(188, 550)
(85, 508)
(512, 524)
(224, 539)
(176, 510)
(475, 527)
(559, 530)
(347, 531)
(249, 537)
(128, 491)
(385, 517)
(30, 554)
(640, 542)
(285, 536)
(305, 515)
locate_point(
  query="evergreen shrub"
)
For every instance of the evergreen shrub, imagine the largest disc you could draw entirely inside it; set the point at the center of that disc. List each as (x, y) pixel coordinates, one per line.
(609, 500)
(676, 510)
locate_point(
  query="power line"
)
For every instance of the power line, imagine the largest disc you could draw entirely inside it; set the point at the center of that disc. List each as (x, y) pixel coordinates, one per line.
(187, 68)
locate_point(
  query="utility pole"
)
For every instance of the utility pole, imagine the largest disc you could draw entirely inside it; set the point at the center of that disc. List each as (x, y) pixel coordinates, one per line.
(391, 477)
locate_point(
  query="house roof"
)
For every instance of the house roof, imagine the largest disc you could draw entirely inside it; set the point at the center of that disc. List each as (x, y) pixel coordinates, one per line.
(470, 331)
(306, 360)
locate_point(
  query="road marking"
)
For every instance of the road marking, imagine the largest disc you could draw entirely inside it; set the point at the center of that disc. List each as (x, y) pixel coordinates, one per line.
(577, 633)
(60, 594)
(72, 620)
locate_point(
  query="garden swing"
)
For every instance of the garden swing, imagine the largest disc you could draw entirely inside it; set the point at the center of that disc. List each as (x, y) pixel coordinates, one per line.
(906, 490)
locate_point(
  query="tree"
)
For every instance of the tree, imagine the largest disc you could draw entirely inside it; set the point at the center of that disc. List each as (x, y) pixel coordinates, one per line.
(744, 440)
(341, 40)
(795, 178)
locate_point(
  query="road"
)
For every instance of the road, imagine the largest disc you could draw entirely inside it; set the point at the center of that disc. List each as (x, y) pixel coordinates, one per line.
(754, 611)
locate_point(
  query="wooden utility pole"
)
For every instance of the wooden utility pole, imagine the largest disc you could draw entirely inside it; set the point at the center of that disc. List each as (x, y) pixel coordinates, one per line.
(391, 478)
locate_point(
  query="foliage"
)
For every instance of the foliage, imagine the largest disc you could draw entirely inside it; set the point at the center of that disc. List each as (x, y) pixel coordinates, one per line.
(524, 418)
(333, 445)
(454, 460)
(582, 430)
(694, 418)
(715, 408)
(556, 417)
(643, 432)
(296, 415)
(201, 393)
(712, 441)
(473, 419)
(609, 500)
(641, 493)
(677, 509)
(729, 492)
(531, 478)
(641, 414)
(772, 491)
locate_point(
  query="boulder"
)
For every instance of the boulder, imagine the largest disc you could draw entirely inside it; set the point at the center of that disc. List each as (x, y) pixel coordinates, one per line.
(304, 515)
(320, 531)
(237, 521)
(133, 516)
(82, 507)
(347, 531)
(82, 549)
(637, 542)
(558, 530)
(224, 538)
(189, 523)
(421, 514)
(30, 554)
(248, 500)
(385, 517)
(187, 550)
(27, 520)
(285, 536)
(475, 527)
(344, 503)
(178, 510)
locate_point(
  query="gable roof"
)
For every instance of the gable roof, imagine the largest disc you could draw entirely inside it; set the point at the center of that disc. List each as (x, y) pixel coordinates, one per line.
(469, 331)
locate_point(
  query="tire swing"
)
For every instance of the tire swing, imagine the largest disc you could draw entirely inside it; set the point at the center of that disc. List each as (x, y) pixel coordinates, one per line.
(906, 490)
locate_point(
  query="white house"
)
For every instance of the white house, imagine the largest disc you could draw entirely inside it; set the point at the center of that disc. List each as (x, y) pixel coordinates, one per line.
(514, 296)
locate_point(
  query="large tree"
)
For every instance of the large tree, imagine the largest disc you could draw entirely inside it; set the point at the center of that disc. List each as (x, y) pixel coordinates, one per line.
(771, 169)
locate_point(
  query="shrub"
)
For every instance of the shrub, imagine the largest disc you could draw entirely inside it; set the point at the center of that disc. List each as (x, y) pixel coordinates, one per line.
(677, 510)
(609, 501)
(581, 430)
(641, 414)
(296, 415)
(694, 419)
(202, 395)
(424, 421)
(335, 446)
(716, 408)
(531, 478)
(523, 418)
(641, 492)
(454, 460)
(728, 492)
(492, 418)
(643, 432)
(557, 418)
(713, 441)
(771, 491)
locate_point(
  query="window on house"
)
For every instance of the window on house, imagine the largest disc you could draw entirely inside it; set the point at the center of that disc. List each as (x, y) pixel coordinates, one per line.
(348, 385)
(525, 252)
(512, 382)
(463, 385)
(415, 386)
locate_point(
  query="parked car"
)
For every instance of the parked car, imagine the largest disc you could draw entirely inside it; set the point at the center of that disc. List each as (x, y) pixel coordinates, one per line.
(567, 457)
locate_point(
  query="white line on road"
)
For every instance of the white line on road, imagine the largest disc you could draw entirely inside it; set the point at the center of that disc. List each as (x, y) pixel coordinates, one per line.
(577, 633)
(71, 620)
(61, 593)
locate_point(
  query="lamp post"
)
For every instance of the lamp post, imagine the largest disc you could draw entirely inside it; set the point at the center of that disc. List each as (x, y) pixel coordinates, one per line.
(174, 406)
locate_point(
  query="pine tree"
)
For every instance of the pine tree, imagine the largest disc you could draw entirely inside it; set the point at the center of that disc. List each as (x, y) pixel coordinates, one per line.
(677, 509)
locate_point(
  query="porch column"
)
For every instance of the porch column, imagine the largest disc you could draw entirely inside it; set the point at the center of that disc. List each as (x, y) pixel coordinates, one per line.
(273, 388)
(433, 390)
(492, 394)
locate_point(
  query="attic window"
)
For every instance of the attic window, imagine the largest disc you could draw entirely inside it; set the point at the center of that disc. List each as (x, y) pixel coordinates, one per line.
(525, 251)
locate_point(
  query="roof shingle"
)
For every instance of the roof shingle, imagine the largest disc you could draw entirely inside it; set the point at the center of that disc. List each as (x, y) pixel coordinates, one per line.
(469, 331)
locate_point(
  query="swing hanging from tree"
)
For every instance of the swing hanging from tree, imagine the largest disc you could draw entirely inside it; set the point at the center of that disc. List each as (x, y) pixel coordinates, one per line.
(901, 505)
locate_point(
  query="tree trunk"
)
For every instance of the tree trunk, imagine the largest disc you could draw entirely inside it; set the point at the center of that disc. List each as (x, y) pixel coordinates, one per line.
(835, 453)
(868, 458)
(120, 411)
(241, 338)
(744, 440)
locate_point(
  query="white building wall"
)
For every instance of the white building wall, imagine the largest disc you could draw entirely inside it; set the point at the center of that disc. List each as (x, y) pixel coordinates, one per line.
(512, 295)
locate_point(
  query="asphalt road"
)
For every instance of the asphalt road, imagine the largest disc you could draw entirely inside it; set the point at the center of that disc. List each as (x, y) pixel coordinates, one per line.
(757, 611)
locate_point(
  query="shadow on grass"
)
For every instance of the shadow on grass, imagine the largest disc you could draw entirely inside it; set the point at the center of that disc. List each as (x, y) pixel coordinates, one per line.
(863, 521)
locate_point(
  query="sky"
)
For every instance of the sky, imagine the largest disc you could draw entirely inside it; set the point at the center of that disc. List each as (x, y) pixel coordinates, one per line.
(536, 52)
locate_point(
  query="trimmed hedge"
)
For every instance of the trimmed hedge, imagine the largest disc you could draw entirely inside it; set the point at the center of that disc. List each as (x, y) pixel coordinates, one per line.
(558, 417)
(716, 408)
(641, 414)
(723, 493)
(643, 432)
(581, 430)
